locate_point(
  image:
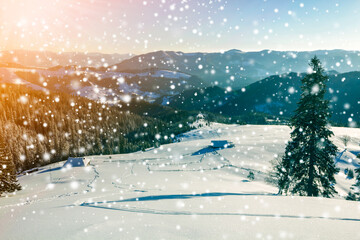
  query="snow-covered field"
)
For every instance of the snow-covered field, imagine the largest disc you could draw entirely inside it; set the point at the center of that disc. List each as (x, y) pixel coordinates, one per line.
(182, 190)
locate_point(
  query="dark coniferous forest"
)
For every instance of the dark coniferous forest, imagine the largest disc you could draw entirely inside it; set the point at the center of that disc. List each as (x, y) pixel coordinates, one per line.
(41, 127)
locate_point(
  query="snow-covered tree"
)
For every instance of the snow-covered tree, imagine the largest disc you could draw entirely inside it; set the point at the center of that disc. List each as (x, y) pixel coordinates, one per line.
(345, 139)
(308, 166)
(8, 181)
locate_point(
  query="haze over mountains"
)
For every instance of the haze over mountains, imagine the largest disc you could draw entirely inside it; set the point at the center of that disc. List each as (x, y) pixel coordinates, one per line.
(233, 68)
(236, 68)
(47, 59)
(230, 83)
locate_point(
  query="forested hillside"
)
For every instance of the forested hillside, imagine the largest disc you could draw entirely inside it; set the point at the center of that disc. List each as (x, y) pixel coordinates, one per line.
(279, 94)
(40, 127)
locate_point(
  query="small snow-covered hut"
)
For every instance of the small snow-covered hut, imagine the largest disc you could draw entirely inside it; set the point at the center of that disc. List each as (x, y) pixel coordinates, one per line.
(77, 162)
(221, 144)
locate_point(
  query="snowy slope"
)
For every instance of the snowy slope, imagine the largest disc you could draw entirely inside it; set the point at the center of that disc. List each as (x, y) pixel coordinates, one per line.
(181, 191)
(158, 74)
(107, 86)
(8, 76)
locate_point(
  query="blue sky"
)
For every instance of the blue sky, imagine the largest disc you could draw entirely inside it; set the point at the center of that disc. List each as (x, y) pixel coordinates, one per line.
(213, 25)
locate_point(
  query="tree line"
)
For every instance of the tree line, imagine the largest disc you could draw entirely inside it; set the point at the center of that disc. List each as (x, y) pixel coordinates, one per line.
(42, 127)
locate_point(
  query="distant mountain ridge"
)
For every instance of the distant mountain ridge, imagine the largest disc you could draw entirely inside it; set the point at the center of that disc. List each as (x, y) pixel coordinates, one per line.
(233, 68)
(105, 85)
(279, 94)
(276, 95)
(47, 59)
(152, 77)
(236, 68)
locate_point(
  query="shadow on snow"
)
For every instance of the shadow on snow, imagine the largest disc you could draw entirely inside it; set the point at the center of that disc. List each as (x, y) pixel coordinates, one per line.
(110, 205)
(209, 150)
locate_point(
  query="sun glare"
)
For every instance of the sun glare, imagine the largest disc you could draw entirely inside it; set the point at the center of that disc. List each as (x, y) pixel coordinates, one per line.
(43, 25)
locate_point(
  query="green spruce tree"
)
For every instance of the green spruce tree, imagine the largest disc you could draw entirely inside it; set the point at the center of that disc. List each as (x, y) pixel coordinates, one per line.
(354, 195)
(308, 166)
(8, 181)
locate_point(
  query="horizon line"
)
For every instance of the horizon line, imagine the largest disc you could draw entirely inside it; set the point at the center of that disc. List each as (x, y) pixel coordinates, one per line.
(179, 51)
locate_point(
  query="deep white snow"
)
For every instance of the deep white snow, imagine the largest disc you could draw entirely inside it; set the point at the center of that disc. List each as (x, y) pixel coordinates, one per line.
(182, 190)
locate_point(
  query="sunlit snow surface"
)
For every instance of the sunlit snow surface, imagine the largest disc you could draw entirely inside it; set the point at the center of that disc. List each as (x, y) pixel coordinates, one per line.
(181, 191)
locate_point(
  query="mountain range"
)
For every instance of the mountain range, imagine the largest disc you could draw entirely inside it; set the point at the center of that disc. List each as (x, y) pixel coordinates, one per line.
(235, 68)
(232, 83)
(276, 95)
(47, 59)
